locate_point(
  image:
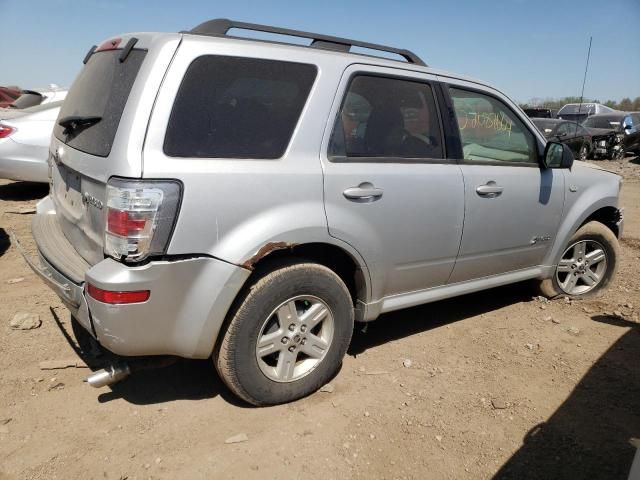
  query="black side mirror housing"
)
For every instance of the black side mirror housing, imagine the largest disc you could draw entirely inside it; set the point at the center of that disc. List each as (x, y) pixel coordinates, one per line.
(557, 155)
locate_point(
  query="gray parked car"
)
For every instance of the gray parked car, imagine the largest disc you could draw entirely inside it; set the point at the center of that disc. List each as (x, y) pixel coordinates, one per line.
(24, 143)
(246, 200)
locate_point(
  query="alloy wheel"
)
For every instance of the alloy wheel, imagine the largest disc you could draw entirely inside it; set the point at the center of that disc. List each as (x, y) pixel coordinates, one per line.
(294, 338)
(582, 267)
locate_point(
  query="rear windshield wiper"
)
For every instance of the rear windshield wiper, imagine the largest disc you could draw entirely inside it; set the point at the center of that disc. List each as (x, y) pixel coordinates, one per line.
(73, 122)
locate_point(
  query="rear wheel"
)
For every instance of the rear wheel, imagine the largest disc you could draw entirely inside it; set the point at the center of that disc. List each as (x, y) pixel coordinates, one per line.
(587, 265)
(288, 336)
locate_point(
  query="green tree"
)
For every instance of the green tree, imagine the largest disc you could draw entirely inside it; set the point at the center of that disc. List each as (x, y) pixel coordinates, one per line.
(636, 104)
(625, 104)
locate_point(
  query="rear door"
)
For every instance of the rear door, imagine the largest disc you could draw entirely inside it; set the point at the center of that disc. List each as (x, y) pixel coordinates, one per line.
(390, 190)
(512, 206)
(105, 116)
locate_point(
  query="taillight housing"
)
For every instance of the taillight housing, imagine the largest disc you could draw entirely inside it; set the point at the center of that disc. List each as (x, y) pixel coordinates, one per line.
(6, 130)
(140, 216)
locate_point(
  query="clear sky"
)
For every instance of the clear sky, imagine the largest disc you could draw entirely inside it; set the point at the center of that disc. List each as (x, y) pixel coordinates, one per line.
(527, 48)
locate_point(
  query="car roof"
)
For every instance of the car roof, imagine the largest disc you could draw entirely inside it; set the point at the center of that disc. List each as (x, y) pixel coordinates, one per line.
(324, 45)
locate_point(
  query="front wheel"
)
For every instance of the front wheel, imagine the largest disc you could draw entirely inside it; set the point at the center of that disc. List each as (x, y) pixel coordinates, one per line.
(587, 265)
(583, 153)
(288, 336)
(617, 154)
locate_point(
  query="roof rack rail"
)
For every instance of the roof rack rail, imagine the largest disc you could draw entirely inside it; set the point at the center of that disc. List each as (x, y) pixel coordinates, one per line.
(220, 26)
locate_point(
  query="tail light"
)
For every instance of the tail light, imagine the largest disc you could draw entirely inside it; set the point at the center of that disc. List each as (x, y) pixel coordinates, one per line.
(6, 130)
(140, 217)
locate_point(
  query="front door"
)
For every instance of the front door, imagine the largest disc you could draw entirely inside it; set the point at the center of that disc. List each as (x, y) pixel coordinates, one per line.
(390, 191)
(512, 206)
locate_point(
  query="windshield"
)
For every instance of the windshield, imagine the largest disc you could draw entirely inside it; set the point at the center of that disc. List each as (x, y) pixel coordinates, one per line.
(100, 91)
(602, 122)
(26, 100)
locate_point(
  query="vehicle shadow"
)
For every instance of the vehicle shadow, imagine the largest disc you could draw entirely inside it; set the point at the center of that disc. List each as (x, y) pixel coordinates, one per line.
(588, 436)
(5, 241)
(404, 323)
(197, 379)
(20, 191)
(178, 379)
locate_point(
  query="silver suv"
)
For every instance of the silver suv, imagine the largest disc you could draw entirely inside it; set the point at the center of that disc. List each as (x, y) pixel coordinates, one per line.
(248, 200)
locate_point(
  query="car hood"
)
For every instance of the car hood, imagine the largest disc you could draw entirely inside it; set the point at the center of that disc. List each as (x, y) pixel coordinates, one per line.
(600, 132)
(582, 164)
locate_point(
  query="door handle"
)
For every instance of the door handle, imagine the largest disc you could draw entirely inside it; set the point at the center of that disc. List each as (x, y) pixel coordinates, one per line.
(363, 192)
(490, 189)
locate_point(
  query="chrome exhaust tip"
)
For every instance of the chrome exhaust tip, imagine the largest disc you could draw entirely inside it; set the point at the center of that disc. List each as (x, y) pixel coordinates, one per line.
(108, 376)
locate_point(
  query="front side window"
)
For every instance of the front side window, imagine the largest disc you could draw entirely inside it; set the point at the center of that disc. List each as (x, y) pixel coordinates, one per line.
(387, 118)
(490, 131)
(235, 107)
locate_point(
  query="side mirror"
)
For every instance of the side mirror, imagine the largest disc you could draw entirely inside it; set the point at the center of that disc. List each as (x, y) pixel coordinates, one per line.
(557, 155)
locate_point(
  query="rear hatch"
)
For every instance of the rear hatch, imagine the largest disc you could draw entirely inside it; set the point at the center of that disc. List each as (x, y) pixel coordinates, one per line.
(100, 132)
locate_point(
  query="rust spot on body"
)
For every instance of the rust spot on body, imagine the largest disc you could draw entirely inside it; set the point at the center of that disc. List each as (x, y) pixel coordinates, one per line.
(264, 251)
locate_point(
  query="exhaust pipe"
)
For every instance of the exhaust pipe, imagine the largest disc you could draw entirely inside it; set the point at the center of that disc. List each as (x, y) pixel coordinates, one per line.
(108, 376)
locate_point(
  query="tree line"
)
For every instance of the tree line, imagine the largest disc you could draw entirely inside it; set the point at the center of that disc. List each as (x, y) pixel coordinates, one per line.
(626, 104)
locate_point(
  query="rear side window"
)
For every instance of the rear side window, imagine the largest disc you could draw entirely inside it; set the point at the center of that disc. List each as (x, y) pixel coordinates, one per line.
(101, 90)
(235, 107)
(387, 118)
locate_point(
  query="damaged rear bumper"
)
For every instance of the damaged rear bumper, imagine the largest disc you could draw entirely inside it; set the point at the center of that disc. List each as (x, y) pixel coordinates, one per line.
(187, 305)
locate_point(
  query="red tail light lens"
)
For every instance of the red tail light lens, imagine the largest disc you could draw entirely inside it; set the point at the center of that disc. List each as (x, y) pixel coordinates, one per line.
(124, 223)
(140, 217)
(117, 298)
(6, 130)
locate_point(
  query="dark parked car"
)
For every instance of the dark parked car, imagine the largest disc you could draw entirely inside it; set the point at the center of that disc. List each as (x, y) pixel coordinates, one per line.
(579, 112)
(615, 134)
(573, 134)
(539, 112)
(7, 96)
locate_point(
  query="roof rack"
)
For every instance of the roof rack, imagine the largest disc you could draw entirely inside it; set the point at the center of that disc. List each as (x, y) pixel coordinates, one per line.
(220, 26)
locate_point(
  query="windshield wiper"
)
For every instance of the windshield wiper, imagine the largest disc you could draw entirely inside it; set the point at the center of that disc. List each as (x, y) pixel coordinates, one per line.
(73, 122)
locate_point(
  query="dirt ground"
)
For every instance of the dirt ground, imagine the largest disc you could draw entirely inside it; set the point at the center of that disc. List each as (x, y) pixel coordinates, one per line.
(498, 384)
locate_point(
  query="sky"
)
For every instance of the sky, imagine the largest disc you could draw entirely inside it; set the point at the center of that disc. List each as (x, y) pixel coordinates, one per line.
(526, 48)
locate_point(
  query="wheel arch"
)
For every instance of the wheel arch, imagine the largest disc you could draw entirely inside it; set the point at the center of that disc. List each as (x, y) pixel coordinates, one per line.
(604, 210)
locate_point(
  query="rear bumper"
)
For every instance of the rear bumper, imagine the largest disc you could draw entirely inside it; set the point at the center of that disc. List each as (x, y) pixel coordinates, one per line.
(183, 315)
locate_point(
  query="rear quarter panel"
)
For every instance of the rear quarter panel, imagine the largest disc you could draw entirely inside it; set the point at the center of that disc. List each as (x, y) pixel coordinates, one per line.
(233, 207)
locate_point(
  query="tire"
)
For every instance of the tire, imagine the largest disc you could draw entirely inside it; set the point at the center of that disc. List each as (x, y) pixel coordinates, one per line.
(594, 235)
(583, 154)
(617, 155)
(262, 379)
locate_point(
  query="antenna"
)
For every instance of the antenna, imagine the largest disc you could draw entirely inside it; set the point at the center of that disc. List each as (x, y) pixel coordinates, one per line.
(584, 80)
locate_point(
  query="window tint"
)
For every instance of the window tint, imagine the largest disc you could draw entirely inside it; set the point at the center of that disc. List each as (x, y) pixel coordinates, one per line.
(490, 131)
(100, 90)
(386, 117)
(233, 107)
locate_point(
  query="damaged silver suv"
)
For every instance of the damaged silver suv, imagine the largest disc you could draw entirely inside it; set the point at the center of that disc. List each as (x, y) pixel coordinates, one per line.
(248, 200)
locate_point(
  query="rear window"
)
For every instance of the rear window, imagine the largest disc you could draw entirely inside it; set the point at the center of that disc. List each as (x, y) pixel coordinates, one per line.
(100, 90)
(28, 99)
(234, 107)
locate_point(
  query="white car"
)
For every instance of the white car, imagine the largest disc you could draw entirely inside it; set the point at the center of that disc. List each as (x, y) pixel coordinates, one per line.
(24, 143)
(32, 98)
